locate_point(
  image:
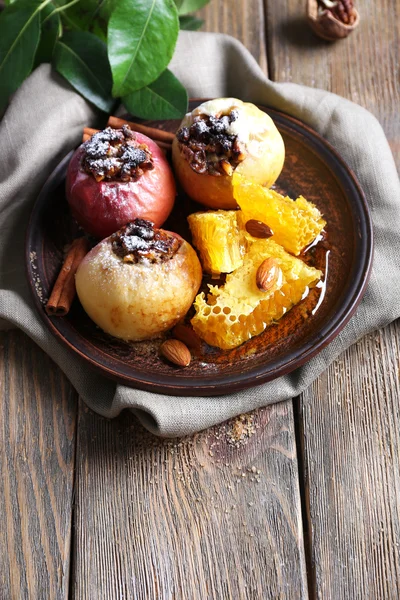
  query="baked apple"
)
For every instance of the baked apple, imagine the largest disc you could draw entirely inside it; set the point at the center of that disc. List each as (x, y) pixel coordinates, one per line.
(116, 176)
(222, 136)
(138, 282)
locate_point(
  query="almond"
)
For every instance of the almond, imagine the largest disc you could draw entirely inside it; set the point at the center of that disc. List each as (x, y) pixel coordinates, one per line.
(176, 352)
(227, 167)
(258, 229)
(267, 274)
(186, 335)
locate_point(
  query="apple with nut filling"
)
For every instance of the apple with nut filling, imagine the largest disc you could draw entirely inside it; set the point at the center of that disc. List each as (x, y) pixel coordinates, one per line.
(221, 137)
(139, 282)
(116, 176)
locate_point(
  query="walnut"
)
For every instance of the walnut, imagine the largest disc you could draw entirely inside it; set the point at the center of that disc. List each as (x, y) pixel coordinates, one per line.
(332, 19)
(342, 9)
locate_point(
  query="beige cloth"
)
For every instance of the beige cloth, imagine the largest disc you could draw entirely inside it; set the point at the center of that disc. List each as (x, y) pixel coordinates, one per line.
(45, 120)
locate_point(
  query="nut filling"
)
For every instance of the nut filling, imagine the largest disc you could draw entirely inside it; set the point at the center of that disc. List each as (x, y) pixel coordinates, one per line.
(341, 9)
(115, 155)
(139, 241)
(208, 147)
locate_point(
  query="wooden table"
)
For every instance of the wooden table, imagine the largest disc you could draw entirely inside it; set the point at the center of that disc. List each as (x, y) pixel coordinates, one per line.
(306, 506)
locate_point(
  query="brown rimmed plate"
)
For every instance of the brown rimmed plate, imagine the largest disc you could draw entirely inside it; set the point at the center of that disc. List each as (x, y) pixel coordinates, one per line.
(312, 169)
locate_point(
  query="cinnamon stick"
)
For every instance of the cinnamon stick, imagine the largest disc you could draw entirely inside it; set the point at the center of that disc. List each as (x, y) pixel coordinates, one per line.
(158, 135)
(88, 132)
(163, 145)
(64, 289)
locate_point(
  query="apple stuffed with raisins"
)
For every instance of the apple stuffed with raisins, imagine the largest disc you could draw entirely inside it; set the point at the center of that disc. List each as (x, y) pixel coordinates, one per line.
(116, 176)
(139, 282)
(220, 137)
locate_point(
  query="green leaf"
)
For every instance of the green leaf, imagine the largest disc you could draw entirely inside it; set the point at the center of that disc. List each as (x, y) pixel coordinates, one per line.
(191, 23)
(82, 59)
(88, 15)
(99, 28)
(50, 28)
(188, 6)
(104, 9)
(72, 17)
(19, 38)
(165, 98)
(141, 40)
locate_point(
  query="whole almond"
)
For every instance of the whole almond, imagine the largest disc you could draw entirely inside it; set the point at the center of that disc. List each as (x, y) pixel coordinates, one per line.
(176, 352)
(226, 167)
(267, 274)
(186, 335)
(258, 229)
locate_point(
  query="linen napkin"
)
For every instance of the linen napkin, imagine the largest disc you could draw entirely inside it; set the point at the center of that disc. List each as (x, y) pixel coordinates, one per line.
(44, 121)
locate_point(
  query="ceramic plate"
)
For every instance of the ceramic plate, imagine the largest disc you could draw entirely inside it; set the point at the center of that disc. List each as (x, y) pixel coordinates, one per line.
(312, 169)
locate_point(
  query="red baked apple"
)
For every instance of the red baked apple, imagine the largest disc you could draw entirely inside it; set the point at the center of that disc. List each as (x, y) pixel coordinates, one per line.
(117, 176)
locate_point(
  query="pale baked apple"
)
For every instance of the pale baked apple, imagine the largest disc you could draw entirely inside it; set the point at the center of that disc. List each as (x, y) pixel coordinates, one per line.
(139, 282)
(222, 136)
(116, 176)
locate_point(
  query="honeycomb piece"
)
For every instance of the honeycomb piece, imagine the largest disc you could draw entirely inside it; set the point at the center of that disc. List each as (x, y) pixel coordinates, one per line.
(295, 223)
(217, 237)
(238, 310)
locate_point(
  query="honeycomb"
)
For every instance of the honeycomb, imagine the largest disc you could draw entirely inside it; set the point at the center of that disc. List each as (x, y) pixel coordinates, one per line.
(295, 223)
(238, 310)
(218, 239)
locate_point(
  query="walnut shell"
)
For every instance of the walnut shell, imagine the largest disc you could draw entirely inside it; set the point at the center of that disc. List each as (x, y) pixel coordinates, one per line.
(326, 25)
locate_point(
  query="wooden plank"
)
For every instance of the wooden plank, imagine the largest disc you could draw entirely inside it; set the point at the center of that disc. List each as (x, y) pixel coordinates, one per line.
(37, 441)
(349, 418)
(199, 518)
(351, 424)
(242, 19)
(362, 68)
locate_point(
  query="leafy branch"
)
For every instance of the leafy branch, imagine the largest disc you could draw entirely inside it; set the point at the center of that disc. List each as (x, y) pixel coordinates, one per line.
(110, 51)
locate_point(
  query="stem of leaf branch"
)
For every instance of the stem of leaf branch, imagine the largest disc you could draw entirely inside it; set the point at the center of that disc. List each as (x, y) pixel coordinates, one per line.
(39, 8)
(60, 9)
